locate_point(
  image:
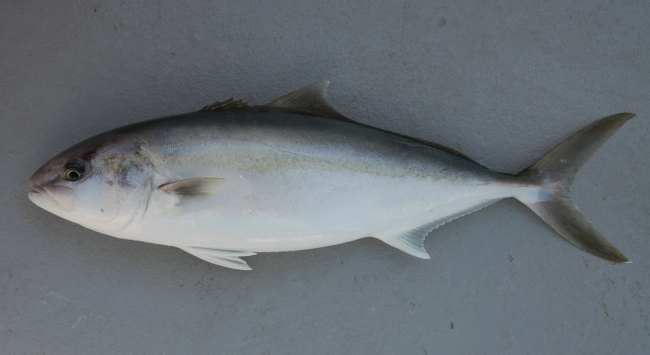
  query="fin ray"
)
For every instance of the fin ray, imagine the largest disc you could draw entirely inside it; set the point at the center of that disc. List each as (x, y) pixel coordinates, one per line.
(411, 241)
(224, 105)
(554, 173)
(310, 100)
(193, 188)
(563, 215)
(226, 258)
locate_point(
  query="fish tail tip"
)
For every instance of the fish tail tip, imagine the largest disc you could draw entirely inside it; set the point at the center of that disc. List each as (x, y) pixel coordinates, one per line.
(556, 171)
(620, 260)
(624, 116)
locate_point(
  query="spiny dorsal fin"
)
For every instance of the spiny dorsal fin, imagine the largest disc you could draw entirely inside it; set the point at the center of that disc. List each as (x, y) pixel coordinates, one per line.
(225, 105)
(309, 100)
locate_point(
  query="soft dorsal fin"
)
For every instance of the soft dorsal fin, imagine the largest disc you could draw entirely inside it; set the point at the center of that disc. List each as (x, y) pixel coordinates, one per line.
(225, 258)
(224, 105)
(437, 146)
(309, 100)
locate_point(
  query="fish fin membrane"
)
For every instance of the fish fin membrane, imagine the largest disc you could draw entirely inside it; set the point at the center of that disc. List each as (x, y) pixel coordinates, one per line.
(411, 241)
(193, 188)
(226, 258)
(555, 173)
(437, 146)
(310, 100)
(224, 105)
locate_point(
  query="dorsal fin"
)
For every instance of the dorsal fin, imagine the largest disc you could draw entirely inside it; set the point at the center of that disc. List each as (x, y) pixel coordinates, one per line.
(225, 105)
(309, 100)
(437, 146)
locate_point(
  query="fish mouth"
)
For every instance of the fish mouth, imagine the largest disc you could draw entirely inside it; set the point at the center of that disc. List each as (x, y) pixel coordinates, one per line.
(31, 184)
(59, 196)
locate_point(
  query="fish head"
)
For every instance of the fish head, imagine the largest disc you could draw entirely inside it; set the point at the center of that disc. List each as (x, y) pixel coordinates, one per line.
(102, 183)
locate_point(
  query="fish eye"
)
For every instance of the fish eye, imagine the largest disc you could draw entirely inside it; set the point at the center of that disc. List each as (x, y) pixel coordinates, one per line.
(73, 173)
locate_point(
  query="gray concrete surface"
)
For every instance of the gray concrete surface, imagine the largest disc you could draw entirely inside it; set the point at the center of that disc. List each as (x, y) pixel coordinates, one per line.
(503, 83)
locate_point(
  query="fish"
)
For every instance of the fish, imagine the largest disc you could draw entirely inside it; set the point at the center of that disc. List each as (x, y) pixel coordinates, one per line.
(232, 180)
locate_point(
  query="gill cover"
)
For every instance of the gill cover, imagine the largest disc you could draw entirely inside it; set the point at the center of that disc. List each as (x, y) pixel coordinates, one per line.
(126, 179)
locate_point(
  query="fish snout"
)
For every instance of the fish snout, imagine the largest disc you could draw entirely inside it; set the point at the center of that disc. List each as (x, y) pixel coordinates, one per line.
(31, 183)
(34, 193)
(35, 182)
(40, 176)
(60, 196)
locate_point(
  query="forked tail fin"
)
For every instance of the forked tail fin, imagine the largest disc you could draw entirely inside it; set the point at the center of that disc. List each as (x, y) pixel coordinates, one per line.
(555, 172)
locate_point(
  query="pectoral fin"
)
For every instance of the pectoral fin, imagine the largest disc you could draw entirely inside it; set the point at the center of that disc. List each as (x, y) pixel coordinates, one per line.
(225, 258)
(193, 188)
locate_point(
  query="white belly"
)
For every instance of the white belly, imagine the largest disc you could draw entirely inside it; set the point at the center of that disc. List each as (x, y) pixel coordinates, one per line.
(300, 209)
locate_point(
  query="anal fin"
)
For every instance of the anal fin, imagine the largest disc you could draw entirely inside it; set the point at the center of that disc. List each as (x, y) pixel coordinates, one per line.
(411, 240)
(226, 258)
